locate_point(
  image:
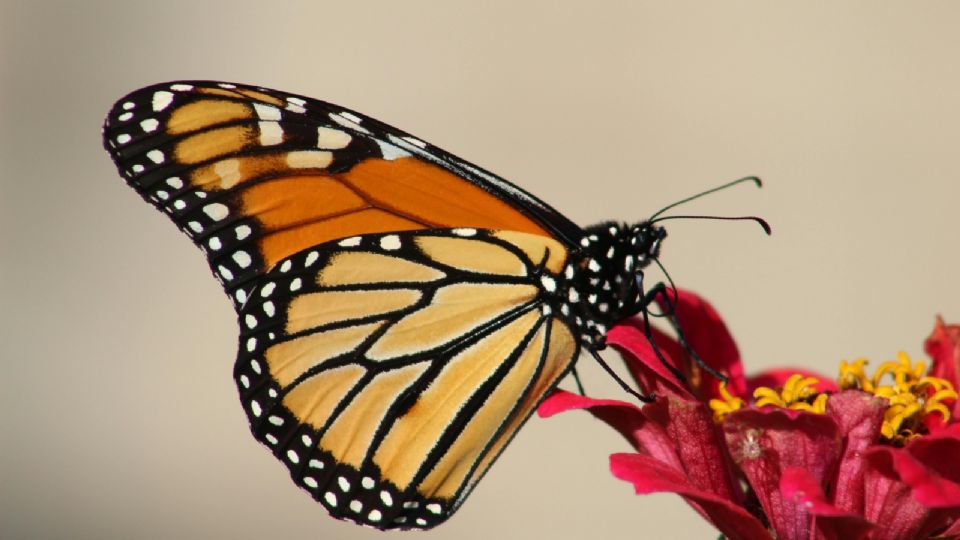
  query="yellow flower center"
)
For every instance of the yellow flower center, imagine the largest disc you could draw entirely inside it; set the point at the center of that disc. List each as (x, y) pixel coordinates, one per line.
(911, 395)
(726, 405)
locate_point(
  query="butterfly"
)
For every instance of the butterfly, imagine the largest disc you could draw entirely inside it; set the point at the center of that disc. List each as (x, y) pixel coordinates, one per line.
(402, 311)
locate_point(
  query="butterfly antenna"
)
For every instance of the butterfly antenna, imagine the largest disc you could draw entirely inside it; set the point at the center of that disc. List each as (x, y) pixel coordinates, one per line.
(753, 179)
(758, 220)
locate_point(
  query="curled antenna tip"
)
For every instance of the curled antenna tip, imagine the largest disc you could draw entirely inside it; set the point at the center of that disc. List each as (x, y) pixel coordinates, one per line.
(756, 180)
(763, 223)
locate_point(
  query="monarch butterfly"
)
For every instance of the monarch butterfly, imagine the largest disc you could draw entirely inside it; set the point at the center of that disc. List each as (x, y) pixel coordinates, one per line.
(402, 312)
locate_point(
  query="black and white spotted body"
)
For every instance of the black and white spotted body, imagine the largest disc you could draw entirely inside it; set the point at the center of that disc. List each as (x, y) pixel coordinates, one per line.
(602, 284)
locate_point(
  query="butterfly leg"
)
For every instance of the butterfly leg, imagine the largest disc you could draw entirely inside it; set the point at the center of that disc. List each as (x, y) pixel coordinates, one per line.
(623, 384)
(669, 312)
(576, 378)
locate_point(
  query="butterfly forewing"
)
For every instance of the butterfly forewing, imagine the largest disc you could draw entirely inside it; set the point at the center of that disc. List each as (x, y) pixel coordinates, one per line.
(254, 175)
(388, 371)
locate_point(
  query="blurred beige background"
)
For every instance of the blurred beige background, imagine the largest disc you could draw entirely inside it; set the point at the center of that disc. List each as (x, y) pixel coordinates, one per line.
(118, 416)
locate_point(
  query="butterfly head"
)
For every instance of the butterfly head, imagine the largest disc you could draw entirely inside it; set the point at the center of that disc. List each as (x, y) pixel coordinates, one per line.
(645, 240)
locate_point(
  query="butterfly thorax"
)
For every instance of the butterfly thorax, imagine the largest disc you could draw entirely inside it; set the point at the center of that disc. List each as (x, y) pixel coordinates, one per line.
(603, 281)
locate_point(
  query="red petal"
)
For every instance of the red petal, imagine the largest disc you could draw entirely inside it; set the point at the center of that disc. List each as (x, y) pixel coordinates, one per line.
(707, 334)
(831, 522)
(943, 346)
(621, 416)
(647, 369)
(889, 503)
(859, 416)
(776, 378)
(649, 475)
(688, 439)
(764, 442)
(938, 452)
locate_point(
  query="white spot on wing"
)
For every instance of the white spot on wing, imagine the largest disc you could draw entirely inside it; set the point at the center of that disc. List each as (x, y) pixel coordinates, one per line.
(149, 125)
(175, 182)
(161, 99)
(155, 156)
(332, 139)
(181, 87)
(389, 151)
(216, 211)
(242, 258)
(243, 231)
(390, 242)
(353, 241)
(548, 283)
(270, 133)
(348, 120)
(266, 112)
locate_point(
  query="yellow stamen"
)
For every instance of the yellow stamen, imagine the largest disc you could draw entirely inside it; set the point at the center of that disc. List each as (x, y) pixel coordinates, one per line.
(910, 393)
(725, 406)
(798, 393)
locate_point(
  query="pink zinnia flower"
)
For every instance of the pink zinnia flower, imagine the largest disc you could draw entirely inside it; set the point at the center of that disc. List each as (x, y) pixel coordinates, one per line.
(809, 458)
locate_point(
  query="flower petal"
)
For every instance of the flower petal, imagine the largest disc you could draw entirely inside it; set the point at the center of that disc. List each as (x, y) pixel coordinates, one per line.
(889, 503)
(649, 475)
(687, 439)
(831, 522)
(943, 346)
(764, 442)
(620, 415)
(859, 416)
(642, 361)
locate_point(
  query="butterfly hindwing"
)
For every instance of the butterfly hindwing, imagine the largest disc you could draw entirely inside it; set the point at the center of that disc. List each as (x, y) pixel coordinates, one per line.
(254, 175)
(388, 371)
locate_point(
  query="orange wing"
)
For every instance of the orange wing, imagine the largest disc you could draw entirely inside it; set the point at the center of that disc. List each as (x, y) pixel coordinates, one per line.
(254, 175)
(388, 372)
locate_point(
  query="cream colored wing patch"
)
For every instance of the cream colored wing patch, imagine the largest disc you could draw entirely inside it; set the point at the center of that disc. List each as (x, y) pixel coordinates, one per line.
(389, 371)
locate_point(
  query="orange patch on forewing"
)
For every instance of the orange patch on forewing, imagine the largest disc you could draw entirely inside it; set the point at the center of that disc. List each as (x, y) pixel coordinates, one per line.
(417, 432)
(260, 96)
(209, 90)
(560, 356)
(279, 245)
(434, 195)
(362, 267)
(313, 400)
(283, 202)
(206, 113)
(455, 310)
(351, 434)
(471, 255)
(451, 471)
(288, 360)
(536, 246)
(213, 144)
(317, 309)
